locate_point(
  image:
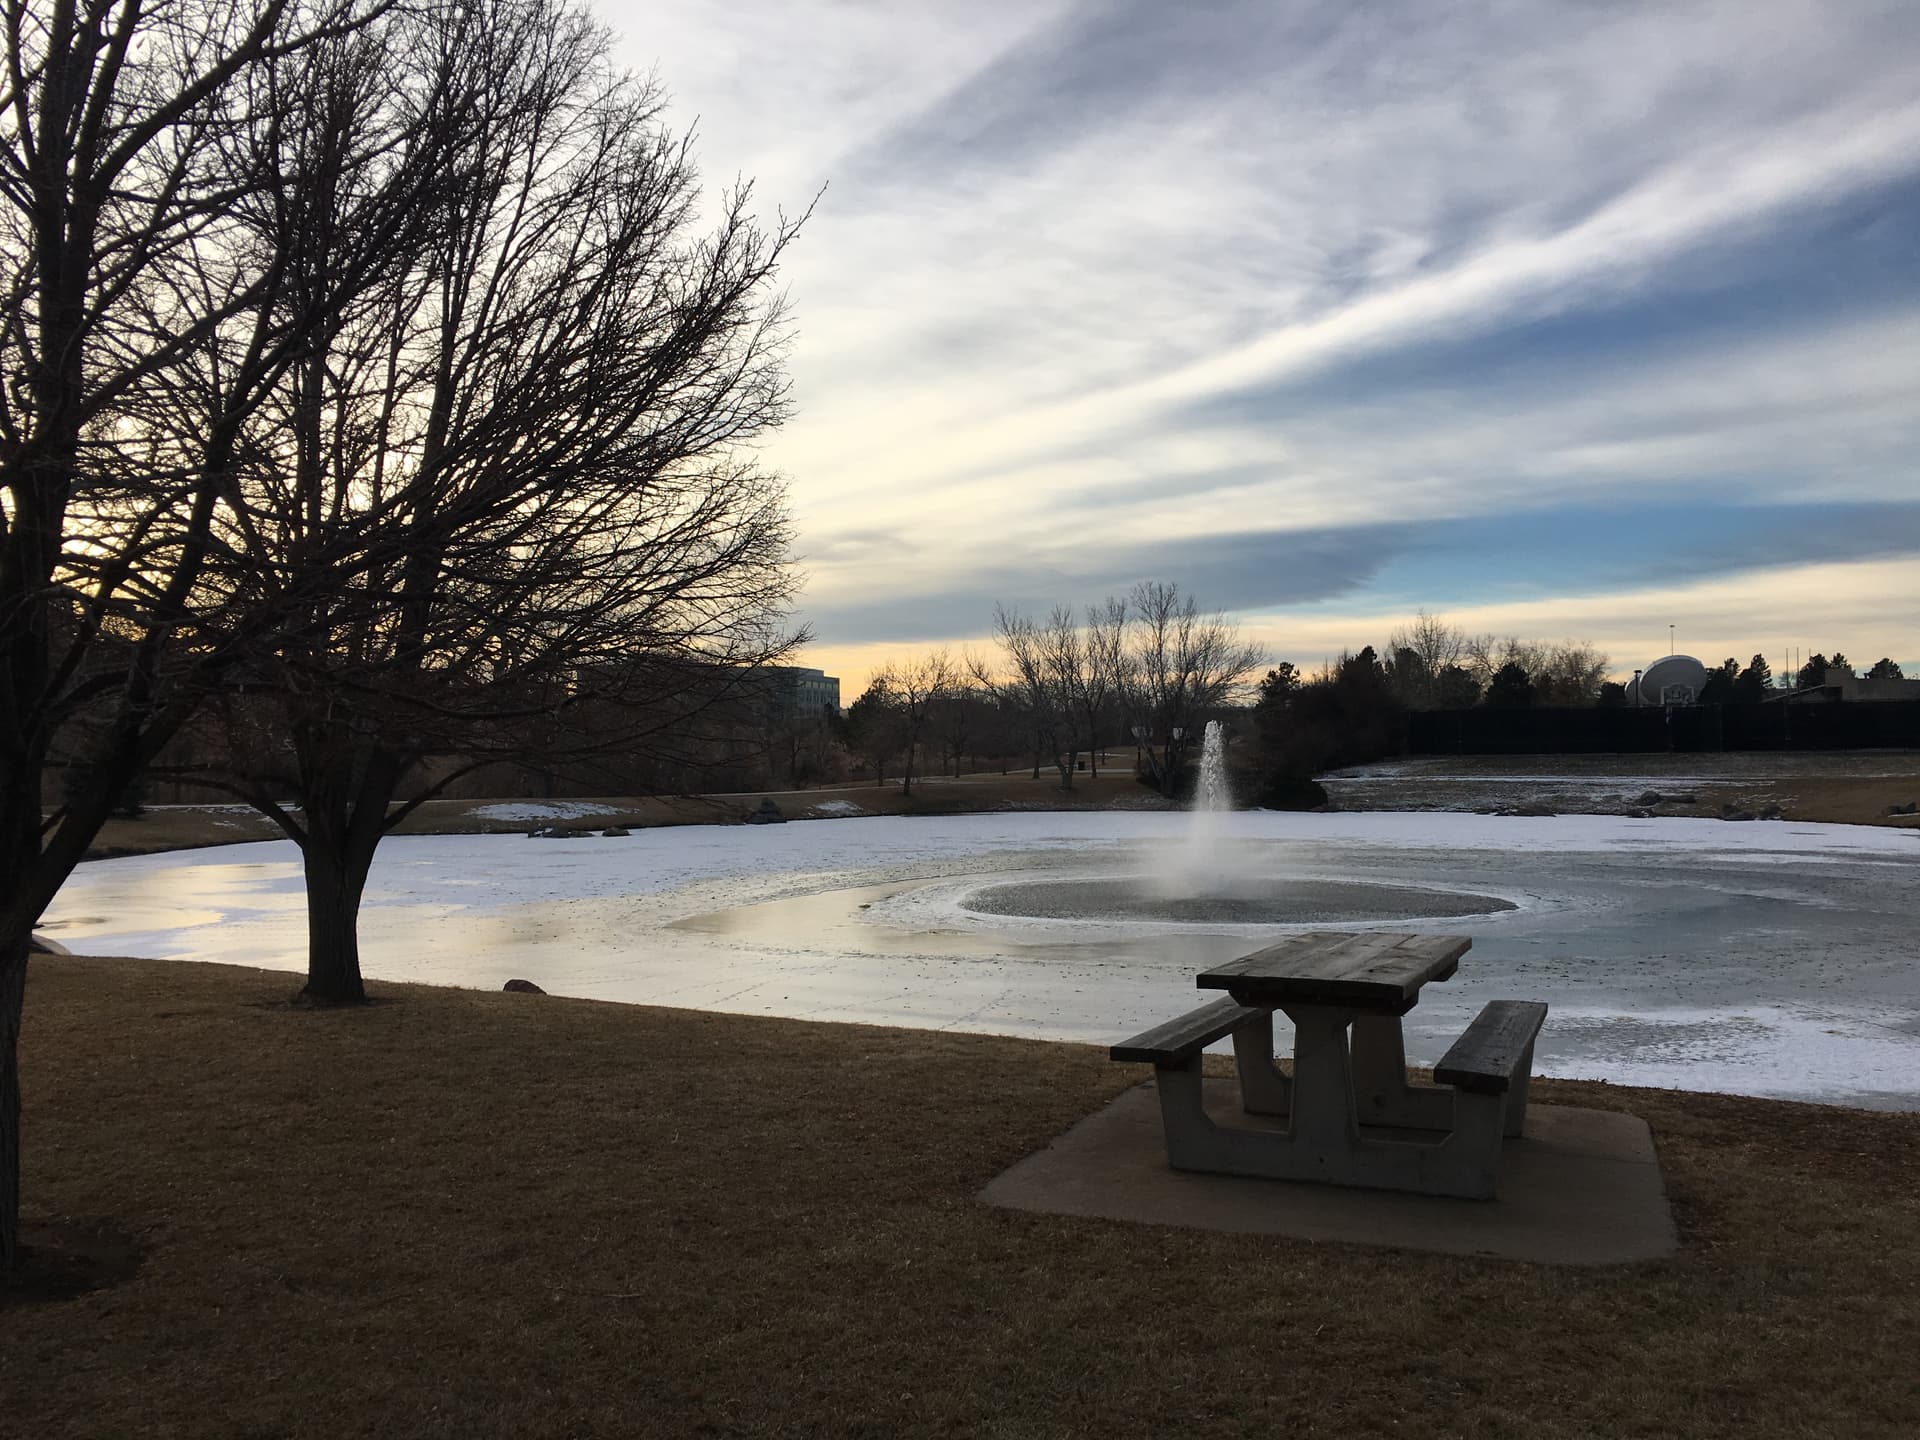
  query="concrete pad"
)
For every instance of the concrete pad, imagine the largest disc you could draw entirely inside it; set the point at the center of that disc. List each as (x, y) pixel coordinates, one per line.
(1581, 1187)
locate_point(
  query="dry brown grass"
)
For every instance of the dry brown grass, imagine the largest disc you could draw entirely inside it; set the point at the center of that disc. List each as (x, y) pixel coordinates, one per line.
(476, 1215)
(1849, 801)
(1834, 800)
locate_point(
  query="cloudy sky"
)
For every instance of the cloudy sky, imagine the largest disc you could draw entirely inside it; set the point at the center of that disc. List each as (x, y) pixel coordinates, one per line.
(1564, 319)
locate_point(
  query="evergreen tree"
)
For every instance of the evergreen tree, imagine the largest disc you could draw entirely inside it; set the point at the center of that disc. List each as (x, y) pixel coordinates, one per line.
(1454, 688)
(1751, 685)
(1813, 673)
(1280, 685)
(1511, 688)
(1718, 689)
(1885, 669)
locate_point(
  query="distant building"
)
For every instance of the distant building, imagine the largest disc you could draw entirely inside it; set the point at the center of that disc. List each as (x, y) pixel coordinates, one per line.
(1845, 685)
(808, 692)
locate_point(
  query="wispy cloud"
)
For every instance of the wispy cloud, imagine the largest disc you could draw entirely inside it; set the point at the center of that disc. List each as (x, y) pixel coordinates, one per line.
(1102, 290)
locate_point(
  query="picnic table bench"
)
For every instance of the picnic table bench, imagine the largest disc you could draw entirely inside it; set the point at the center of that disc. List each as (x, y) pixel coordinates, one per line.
(1352, 1117)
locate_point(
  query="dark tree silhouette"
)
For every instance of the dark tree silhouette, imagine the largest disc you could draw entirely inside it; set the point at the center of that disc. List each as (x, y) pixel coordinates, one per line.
(1750, 687)
(1180, 663)
(1510, 689)
(1456, 689)
(872, 727)
(138, 234)
(1813, 673)
(915, 690)
(1718, 688)
(527, 445)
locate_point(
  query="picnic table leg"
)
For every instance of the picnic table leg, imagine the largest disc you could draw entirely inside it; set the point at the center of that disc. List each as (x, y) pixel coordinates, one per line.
(1516, 1117)
(1194, 1142)
(1381, 1093)
(1264, 1089)
(1323, 1118)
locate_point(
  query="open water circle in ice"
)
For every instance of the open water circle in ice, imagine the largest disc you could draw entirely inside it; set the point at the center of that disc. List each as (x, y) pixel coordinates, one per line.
(1266, 902)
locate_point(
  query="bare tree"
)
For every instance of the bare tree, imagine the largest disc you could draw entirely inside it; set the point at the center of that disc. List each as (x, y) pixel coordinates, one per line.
(955, 722)
(129, 168)
(528, 445)
(1028, 686)
(917, 689)
(1486, 654)
(1568, 673)
(872, 725)
(1182, 663)
(1433, 644)
(1571, 674)
(1066, 671)
(1107, 672)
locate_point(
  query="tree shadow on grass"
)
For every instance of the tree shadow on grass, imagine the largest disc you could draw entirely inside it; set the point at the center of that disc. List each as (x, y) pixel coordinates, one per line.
(64, 1257)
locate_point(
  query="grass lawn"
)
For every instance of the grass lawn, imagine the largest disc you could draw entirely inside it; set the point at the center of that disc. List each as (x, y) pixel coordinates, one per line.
(183, 827)
(475, 1215)
(1824, 799)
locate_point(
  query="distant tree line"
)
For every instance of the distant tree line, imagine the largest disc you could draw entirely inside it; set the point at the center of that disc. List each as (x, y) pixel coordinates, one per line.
(1356, 709)
(1731, 683)
(1147, 670)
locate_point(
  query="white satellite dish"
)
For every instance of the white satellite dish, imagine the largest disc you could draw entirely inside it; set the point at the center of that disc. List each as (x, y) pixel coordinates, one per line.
(1672, 680)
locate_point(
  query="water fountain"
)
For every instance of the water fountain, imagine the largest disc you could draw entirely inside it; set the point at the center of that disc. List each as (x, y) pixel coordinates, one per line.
(1215, 876)
(1205, 865)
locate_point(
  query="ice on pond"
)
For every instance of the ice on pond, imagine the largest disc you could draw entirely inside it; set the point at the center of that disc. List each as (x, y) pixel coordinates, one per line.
(1760, 958)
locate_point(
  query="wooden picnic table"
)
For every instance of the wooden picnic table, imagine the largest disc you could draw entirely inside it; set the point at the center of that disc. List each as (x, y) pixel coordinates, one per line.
(1353, 1118)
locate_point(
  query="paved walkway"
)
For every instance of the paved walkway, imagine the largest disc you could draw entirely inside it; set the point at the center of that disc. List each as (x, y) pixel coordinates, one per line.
(1581, 1187)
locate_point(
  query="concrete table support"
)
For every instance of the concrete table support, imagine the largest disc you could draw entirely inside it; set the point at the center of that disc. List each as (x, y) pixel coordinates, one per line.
(1265, 1089)
(1381, 1094)
(1351, 1117)
(1323, 1140)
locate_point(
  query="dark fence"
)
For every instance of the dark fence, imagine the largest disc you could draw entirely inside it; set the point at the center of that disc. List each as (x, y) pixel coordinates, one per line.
(1862, 725)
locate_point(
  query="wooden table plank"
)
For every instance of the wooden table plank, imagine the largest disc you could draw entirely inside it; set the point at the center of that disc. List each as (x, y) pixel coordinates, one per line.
(1376, 970)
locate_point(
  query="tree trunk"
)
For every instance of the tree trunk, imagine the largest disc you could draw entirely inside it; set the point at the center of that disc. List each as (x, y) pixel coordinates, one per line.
(13, 992)
(346, 813)
(334, 886)
(28, 875)
(1145, 763)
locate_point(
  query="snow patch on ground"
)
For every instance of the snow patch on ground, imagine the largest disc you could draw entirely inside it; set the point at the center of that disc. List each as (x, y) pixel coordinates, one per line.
(836, 807)
(543, 810)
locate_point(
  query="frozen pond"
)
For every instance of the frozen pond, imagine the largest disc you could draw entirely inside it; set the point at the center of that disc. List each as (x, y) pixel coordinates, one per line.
(1762, 958)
